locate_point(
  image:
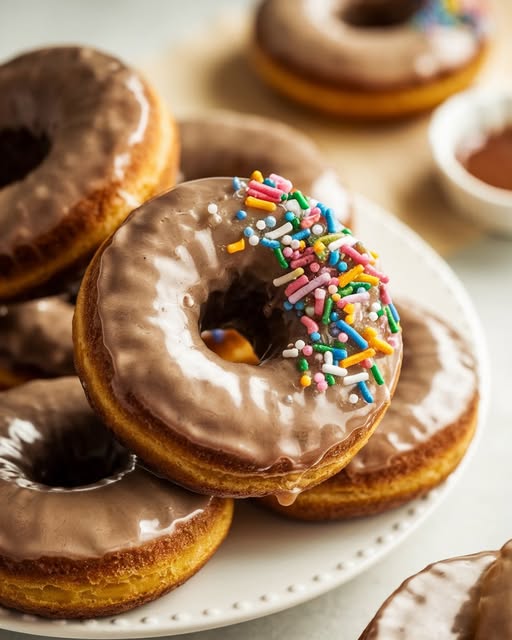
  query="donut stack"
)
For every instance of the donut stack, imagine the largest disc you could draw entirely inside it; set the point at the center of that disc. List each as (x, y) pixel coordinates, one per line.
(233, 336)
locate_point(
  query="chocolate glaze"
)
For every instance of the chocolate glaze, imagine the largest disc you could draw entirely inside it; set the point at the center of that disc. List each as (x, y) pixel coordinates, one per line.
(48, 425)
(437, 383)
(37, 335)
(465, 598)
(314, 38)
(225, 143)
(490, 159)
(93, 110)
(156, 275)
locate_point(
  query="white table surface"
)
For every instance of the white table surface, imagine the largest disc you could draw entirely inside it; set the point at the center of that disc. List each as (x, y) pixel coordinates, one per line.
(477, 514)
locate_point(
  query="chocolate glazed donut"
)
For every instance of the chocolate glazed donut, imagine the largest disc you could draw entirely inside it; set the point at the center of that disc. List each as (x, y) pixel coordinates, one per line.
(173, 270)
(226, 143)
(83, 141)
(85, 530)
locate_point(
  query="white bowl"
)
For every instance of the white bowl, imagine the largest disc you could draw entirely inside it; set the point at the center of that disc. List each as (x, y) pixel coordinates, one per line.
(465, 117)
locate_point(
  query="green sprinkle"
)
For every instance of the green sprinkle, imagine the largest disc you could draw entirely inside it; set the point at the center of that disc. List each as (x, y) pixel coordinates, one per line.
(302, 364)
(330, 238)
(361, 285)
(346, 231)
(340, 345)
(297, 195)
(321, 348)
(326, 317)
(346, 291)
(284, 197)
(377, 374)
(380, 312)
(392, 324)
(330, 379)
(295, 222)
(280, 257)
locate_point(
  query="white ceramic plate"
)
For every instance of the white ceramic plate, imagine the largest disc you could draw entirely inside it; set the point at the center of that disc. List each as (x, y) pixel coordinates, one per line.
(267, 563)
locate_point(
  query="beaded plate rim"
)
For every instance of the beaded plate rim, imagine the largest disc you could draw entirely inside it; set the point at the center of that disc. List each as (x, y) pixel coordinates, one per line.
(163, 618)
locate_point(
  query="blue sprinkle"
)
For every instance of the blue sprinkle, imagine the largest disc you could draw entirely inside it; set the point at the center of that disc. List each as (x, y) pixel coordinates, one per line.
(269, 182)
(218, 335)
(342, 266)
(300, 305)
(361, 290)
(332, 225)
(270, 221)
(301, 235)
(315, 336)
(289, 216)
(339, 354)
(236, 183)
(241, 215)
(334, 316)
(322, 207)
(273, 244)
(334, 257)
(365, 392)
(248, 232)
(353, 334)
(288, 306)
(394, 312)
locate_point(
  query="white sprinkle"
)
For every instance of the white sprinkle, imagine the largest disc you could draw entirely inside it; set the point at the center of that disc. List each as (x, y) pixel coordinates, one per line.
(261, 224)
(286, 240)
(332, 289)
(214, 219)
(357, 377)
(300, 344)
(293, 206)
(295, 244)
(375, 306)
(290, 353)
(334, 371)
(212, 208)
(328, 357)
(373, 316)
(310, 311)
(353, 398)
(350, 241)
(280, 231)
(288, 277)
(317, 229)
(319, 357)
(254, 240)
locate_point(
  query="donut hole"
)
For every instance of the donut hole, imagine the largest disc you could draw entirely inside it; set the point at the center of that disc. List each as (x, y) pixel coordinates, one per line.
(375, 14)
(21, 151)
(77, 457)
(244, 323)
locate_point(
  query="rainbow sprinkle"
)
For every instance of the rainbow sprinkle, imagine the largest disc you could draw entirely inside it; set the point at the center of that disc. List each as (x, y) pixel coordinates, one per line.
(449, 13)
(329, 281)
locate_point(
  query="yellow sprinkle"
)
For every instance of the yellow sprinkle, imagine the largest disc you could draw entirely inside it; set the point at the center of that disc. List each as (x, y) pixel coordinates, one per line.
(302, 245)
(335, 297)
(350, 319)
(305, 380)
(357, 357)
(236, 246)
(380, 345)
(319, 247)
(257, 175)
(349, 308)
(349, 275)
(374, 254)
(257, 203)
(364, 277)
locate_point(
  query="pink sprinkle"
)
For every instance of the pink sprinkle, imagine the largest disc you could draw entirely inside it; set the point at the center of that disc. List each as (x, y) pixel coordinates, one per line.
(302, 261)
(307, 350)
(266, 191)
(384, 294)
(309, 221)
(310, 324)
(353, 298)
(322, 386)
(394, 342)
(333, 282)
(294, 286)
(281, 182)
(342, 337)
(308, 288)
(319, 299)
(287, 252)
(373, 272)
(367, 364)
(260, 195)
(319, 377)
(355, 255)
(315, 267)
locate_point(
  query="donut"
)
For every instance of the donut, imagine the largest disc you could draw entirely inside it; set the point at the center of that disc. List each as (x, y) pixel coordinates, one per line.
(226, 143)
(283, 271)
(421, 439)
(463, 597)
(85, 530)
(35, 340)
(83, 141)
(369, 58)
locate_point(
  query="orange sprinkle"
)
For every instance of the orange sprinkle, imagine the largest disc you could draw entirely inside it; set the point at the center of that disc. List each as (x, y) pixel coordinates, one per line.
(349, 275)
(257, 203)
(357, 357)
(236, 246)
(305, 380)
